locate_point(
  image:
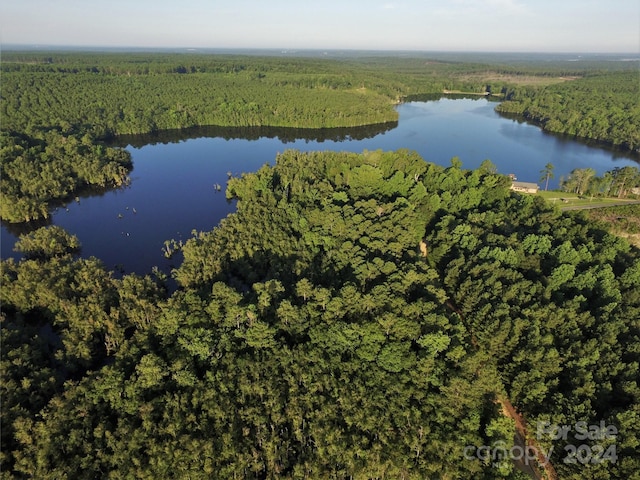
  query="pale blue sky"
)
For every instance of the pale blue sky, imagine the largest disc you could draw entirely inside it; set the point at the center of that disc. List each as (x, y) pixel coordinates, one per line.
(468, 25)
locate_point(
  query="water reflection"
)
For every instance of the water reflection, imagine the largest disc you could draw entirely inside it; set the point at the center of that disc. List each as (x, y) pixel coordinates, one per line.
(283, 134)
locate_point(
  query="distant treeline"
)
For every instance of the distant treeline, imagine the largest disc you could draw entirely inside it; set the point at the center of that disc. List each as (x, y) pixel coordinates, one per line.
(114, 94)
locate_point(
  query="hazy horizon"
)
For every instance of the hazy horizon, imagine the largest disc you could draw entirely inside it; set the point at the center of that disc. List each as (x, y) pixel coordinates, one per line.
(527, 26)
(335, 52)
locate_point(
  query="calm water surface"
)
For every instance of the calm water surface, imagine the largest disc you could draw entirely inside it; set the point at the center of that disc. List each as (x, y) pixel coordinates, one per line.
(172, 183)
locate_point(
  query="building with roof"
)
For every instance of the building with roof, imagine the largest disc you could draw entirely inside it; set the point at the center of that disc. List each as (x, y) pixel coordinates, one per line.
(524, 187)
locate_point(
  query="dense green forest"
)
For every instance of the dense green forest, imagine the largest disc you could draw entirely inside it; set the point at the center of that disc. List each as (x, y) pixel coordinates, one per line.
(357, 317)
(56, 107)
(132, 95)
(141, 93)
(604, 108)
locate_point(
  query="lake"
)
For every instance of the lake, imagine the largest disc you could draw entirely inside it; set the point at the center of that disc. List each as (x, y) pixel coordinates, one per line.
(172, 182)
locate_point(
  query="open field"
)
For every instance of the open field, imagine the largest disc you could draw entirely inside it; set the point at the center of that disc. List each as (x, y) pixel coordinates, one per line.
(524, 80)
(573, 201)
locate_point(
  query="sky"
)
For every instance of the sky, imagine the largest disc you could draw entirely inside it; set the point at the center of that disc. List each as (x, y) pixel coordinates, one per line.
(429, 25)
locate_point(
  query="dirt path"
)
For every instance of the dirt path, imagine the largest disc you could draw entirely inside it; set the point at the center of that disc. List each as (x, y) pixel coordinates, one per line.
(522, 437)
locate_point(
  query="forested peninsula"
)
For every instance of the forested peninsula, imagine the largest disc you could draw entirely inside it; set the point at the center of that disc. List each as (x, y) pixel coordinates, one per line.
(365, 315)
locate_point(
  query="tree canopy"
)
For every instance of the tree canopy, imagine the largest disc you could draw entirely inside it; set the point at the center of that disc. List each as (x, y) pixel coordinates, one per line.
(358, 316)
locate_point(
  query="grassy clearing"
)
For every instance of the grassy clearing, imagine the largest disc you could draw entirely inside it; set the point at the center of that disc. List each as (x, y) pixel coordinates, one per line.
(524, 80)
(573, 201)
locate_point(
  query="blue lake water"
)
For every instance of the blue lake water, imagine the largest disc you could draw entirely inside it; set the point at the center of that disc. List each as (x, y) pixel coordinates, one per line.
(172, 183)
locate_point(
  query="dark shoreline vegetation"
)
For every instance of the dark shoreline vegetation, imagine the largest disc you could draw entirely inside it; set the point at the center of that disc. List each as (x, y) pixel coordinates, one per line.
(286, 134)
(359, 315)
